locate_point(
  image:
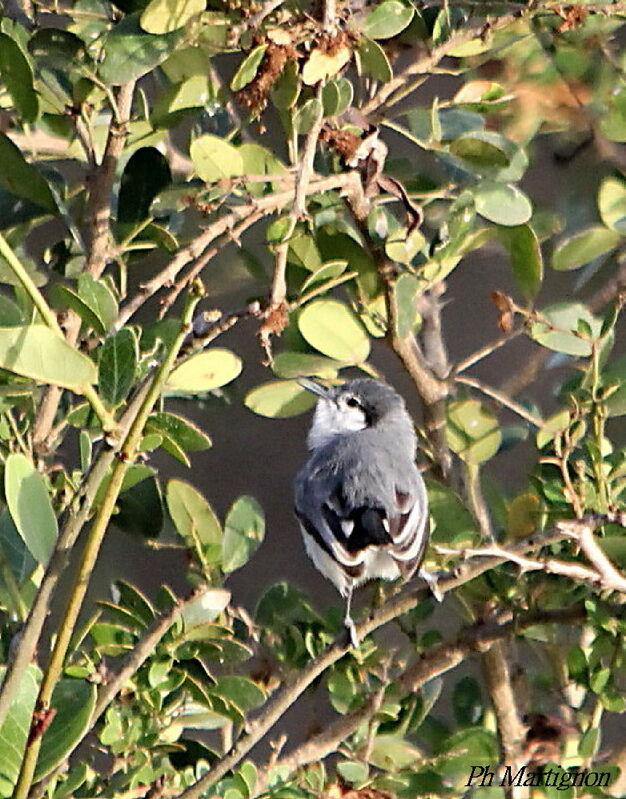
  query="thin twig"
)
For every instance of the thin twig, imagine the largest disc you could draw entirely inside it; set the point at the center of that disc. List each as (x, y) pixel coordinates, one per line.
(194, 250)
(399, 604)
(500, 397)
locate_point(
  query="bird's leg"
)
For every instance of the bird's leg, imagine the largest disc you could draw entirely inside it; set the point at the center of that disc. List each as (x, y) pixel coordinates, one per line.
(430, 578)
(348, 621)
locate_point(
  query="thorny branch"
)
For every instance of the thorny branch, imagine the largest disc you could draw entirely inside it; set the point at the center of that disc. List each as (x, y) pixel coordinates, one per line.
(478, 637)
(398, 605)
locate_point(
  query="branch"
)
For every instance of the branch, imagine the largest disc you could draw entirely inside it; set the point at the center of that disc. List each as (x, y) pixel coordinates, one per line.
(392, 91)
(499, 397)
(262, 206)
(479, 637)
(98, 219)
(142, 650)
(106, 508)
(401, 603)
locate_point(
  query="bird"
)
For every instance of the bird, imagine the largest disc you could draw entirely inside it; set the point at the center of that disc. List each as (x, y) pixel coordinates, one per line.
(359, 498)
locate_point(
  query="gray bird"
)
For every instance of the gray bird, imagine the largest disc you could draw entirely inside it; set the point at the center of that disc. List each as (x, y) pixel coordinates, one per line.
(360, 499)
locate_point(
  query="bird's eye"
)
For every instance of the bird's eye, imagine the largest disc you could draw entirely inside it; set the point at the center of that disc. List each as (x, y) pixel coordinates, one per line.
(352, 402)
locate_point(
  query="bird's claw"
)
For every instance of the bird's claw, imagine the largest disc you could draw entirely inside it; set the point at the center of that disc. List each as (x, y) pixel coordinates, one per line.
(430, 578)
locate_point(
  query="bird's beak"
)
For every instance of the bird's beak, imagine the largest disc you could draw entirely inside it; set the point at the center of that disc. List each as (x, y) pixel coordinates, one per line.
(314, 387)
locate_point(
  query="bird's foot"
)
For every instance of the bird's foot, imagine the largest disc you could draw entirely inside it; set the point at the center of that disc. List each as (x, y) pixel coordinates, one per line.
(352, 633)
(430, 578)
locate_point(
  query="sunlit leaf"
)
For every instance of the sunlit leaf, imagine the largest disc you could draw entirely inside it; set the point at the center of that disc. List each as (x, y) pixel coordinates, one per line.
(193, 517)
(164, 16)
(502, 203)
(248, 68)
(30, 507)
(612, 203)
(472, 432)
(560, 330)
(584, 246)
(321, 65)
(14, 731)
(279, 399)
(205, 371)
(215, 158)
(244, 529)
(332, 328)
(387, 19)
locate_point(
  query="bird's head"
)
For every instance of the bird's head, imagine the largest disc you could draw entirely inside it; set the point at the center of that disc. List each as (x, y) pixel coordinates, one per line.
(350, 407)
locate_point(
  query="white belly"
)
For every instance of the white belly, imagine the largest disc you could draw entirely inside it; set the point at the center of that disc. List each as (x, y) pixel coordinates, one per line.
(377, 564)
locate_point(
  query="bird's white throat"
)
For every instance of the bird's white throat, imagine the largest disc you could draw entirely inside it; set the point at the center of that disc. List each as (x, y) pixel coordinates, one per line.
(330, 420)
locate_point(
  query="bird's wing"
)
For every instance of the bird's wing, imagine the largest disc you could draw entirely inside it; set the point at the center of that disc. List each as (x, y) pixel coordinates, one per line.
(319, 510)
(347, 530)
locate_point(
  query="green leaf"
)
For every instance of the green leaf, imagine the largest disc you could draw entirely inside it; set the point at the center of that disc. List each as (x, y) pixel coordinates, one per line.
(372, 60)
(581, 248)
(332, 328)
(612, 203)
(74, 702)
(186, 434)
(560, 331)
(62, 297)
(242, 692)
(134, 601)
(14, 731)
(30, 506)
(322, 65)
(392, 752)
(98, 296)
(556, 423)
(35, 351)
(140, 509)
(10, 313)
(406, 290)
(17, 77)
(308, 115)
(214, 158)
(337, 96)
(23, 179)
(387, 19)
(472, 431)
(526, 260)
(205, 608)
(130, 52)
(286, 88)
(56, 47)
(244, 529)
(352, 772)
(502, 203)
(146, 173)
(205, 371)
(193, 517)
(117, 366)
(483, 149)
(467, 701)
(340, 246)
(589, 743)
(248, 68)
(327, 271)
(402, 247)
(279, 399)
(453, 522)
(14, 549)
(304, 364)
(165, 16)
